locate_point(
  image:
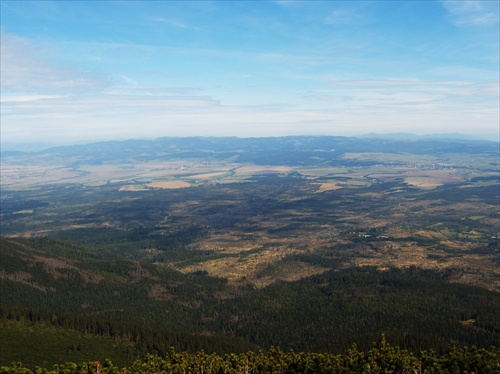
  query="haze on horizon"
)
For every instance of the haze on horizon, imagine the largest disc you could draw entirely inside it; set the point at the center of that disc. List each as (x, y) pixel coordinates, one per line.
(74, 71)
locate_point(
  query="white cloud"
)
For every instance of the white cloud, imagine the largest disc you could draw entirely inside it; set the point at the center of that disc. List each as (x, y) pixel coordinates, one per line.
(285, 3)
(473, 12)
(395, 83)
(170, 22)
(175, 24)
(343, 17)
(26, 67)
(124, 116)
(26, 98)
(326, 97)
(473, 73)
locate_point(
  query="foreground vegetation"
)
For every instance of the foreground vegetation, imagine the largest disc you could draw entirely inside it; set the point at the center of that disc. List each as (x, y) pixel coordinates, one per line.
(382, 358)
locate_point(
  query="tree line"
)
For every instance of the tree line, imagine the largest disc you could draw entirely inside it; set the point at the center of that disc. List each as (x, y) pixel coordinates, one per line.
(381, 358)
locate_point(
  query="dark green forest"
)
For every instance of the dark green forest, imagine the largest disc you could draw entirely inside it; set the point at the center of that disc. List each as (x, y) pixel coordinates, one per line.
(57, 283)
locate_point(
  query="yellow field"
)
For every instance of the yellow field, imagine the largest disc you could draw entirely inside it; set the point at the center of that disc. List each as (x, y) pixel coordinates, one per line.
(169, 184)
(418, 171)
(330, 186)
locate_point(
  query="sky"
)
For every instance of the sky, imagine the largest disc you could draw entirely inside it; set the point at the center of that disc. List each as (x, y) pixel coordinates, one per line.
(80, 71)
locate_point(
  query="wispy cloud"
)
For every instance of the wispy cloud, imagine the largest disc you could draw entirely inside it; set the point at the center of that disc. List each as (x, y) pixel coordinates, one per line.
(175, 24)
(326, 97)
(26, 67)
(343, 17)
(286, 3)
(401, 98)
(26, 98)
(473, 12)
(395, 83)
(170, 22)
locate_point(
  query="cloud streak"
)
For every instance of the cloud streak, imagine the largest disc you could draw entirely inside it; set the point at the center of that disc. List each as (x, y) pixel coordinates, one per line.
(26, 67)
(473, 12)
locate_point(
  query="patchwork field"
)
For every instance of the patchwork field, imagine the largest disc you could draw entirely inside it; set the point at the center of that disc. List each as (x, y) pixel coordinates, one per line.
(261, 223)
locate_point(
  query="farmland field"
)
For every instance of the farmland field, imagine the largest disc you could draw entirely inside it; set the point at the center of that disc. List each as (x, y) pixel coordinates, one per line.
(401, 209)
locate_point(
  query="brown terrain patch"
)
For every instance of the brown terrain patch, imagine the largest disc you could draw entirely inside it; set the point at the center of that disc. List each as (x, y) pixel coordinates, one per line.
(159, 292)
(329, 186)
(25, 279)
(169, 184)
(139, 273)
(52, 264)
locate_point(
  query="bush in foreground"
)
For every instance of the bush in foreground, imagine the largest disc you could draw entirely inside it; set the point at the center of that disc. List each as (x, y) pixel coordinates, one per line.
(382, 358)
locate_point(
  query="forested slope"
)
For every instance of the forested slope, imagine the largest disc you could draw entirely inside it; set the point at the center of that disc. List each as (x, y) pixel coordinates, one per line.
(154, 307)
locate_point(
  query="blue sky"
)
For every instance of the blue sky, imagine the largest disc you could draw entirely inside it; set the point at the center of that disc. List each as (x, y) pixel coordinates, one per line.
(77, 71)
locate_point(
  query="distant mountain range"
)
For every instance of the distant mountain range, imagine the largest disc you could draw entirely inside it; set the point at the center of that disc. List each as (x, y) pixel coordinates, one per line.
(290, 150)
(37, 147)
(447, 136)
